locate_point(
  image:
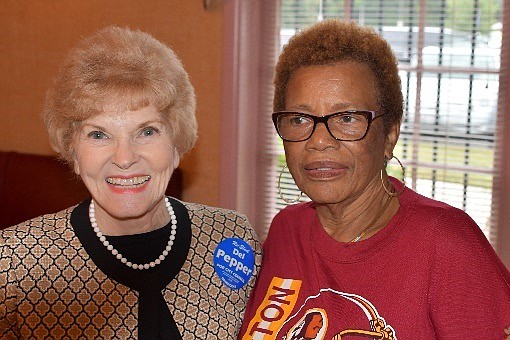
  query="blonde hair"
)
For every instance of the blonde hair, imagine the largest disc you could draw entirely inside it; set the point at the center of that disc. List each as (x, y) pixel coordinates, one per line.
(124, 68)
(332, 41)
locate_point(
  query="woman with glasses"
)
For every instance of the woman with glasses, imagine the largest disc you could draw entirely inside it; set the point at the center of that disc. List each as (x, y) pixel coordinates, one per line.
(374, 258)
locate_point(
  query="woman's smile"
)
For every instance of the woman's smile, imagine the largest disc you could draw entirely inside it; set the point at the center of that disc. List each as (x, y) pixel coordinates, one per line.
(128, 184)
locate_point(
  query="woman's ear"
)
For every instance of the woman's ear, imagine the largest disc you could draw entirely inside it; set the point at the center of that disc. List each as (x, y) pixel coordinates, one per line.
(391, 140)
(76, 165)
(72, 152)
(177, 158)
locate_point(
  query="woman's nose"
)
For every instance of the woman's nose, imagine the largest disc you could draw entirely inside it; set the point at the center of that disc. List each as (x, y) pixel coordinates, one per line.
(321, 138)
(125, 153)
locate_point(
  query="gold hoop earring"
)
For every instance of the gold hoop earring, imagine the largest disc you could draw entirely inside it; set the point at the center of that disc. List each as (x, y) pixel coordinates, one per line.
(286, 200)
(389, 192)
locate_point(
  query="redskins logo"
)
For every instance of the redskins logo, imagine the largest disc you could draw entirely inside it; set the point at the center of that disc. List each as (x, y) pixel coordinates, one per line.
(330, 314)
(355, 315)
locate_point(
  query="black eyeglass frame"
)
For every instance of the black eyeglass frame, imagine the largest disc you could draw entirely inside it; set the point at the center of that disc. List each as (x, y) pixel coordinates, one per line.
(369, 115)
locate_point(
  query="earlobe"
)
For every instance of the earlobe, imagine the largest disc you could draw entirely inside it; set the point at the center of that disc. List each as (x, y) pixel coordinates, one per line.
(76, 166)
(177, 158)
(391, 140)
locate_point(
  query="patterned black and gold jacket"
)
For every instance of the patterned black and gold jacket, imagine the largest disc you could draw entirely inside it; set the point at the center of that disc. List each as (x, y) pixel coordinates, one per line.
(57, 280)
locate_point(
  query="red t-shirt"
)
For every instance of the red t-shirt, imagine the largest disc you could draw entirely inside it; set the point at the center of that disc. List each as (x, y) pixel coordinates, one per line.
(430, 273)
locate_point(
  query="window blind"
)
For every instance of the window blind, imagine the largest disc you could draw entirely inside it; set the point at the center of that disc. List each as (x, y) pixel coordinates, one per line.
(449, 56)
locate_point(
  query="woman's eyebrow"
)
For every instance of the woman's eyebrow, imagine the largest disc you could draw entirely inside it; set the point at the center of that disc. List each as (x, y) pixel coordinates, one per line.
(336, 107)
(301, 107)
(93, 126)
(342, 106)
(149, 122)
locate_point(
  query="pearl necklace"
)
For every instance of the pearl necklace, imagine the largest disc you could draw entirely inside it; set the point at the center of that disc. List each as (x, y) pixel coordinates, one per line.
(115, 252)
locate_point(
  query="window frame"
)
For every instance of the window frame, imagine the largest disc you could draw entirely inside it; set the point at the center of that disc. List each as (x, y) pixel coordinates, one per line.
(249, 31)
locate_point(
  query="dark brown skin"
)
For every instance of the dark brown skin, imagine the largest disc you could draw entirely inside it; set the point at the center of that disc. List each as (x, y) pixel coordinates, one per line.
(342, 178)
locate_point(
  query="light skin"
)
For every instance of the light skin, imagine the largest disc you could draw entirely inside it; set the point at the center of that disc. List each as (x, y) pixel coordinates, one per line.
(342, 178)
(126, 159)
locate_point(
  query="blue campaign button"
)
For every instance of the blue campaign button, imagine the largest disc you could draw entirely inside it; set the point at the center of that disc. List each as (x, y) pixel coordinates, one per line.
(234, 261)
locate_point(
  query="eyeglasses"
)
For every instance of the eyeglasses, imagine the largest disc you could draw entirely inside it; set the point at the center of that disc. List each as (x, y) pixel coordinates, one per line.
(345, 126)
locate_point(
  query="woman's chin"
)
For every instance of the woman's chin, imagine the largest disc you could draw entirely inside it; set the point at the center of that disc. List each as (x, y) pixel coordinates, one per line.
(129, 208)
(123, 214)
(324, 197)
(324, 191)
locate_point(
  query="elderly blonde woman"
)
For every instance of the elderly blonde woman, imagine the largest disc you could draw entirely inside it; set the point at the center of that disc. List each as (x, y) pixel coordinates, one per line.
(367, 257)
(129, 262)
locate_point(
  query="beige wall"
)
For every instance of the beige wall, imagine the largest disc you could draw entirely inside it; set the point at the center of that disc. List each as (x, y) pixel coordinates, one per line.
(35, 36)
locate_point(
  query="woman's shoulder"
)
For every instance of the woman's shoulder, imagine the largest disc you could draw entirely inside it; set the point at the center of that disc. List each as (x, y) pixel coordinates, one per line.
(296, 212)
(37, 227)
(430, 210)
(289, 221)
(444, 223)
(44, 221)
(200, 210)
(226, 221)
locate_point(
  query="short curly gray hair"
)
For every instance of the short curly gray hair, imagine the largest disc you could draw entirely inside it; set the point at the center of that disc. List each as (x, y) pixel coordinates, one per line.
(126, 68)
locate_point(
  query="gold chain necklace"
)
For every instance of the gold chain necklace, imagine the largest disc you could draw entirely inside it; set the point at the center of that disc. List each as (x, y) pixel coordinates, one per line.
(371, 225)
